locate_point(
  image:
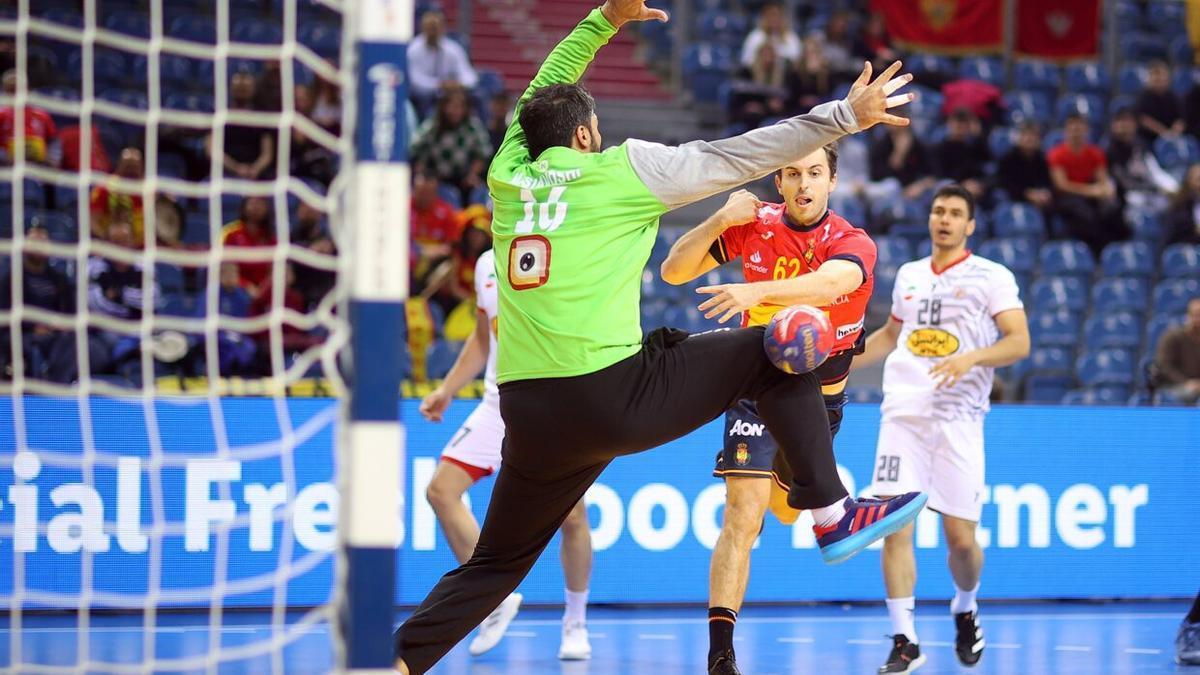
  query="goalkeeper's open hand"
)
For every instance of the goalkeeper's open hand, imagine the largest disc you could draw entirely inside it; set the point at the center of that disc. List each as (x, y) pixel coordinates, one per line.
(620, 12)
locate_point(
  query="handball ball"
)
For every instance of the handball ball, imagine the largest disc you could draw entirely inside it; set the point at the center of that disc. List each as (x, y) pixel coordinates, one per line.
(798, 339)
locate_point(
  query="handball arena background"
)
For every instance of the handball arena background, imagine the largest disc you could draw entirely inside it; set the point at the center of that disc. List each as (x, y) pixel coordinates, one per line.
(1082, 503)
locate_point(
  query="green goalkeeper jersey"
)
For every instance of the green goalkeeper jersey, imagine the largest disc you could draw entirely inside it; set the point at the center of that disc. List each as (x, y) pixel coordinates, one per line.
(573, 231)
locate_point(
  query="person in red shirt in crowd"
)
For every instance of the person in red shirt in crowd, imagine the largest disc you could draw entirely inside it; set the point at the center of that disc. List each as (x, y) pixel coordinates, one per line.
(254, 228)
(40, 132)
(453, 281)
(109, 202)
(295, 339)
(797, 252)
(71, 140)
(434, 226)
(1086, 196)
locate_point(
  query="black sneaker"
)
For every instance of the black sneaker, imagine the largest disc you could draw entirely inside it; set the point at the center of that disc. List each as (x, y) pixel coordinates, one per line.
(968, 640)
(724, 664)
(905, 657)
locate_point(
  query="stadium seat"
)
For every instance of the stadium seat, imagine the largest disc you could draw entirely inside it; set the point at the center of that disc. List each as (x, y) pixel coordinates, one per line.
(720, 26)
(1029, 105)
(705, 67)
(33, 193)
(441, 356)
(60, 225)
(189, 102)
(326, 40)
(1018, 219)
(1128, 259)
(984, 68)
(256, 31)
(1176, 154)
(654, 288)
(1158, 325)
(853, 210)
(1131, 79)
(1018, 255)
(1166, 17)
(1171, 296)
(1121, 295)
(1050, 361)
(1066, 258)
(923, 63)
(1037, 76)
(136, 24)
(1147, 227)
(1121, 329)
(1094, 396)
(451, 195)
(1055, 329)
(1181, 261)
(1105, 367)
(1047, 388)
(1139, 46)
(1086, 77)
(1090, 106)
(893, 251)
(196, 28)
(1055, 293)
(864, 395)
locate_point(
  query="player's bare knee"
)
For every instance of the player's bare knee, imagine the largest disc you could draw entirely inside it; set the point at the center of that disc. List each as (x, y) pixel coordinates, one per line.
(576, 520)
(441, 495)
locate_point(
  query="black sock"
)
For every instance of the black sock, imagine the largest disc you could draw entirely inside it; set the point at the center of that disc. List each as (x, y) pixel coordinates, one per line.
(1192, 617)
(720, 631)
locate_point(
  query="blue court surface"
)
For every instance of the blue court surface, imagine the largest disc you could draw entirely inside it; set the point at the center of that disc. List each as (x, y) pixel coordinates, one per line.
(1023, 639)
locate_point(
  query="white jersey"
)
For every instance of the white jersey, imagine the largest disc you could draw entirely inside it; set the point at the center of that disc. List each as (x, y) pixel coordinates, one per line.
(486, 300)
(945, 313)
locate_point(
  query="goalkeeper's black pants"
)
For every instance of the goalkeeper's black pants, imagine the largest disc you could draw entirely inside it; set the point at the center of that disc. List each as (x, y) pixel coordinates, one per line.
(561, 433)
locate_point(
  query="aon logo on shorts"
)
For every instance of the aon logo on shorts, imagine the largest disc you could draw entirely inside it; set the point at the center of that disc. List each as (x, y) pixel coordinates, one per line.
(741, 428)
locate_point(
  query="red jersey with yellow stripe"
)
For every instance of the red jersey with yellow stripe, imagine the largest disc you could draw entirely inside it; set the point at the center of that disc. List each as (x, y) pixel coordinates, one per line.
(773, 248)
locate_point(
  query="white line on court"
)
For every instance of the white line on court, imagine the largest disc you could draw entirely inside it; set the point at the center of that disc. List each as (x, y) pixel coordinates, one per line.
(1071, 648)
(798, 640)
(1132, 616)
(932, 643)
(1136, 650)
(1002, 645)
(655, 636)
(853, 641)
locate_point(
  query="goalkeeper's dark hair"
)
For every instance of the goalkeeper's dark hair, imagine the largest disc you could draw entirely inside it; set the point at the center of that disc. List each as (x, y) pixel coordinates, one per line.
(831, 156)
(956, 190)
(552, 115)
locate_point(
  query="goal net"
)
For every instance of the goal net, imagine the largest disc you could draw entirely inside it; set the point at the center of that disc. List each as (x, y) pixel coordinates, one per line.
(183, 292)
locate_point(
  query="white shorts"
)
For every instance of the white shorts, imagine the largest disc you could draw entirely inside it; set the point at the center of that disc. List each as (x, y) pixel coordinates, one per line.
(477, 442)
(942, 458)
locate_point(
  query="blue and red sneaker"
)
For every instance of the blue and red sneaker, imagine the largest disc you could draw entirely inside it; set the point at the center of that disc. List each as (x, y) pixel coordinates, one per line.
(867, 521)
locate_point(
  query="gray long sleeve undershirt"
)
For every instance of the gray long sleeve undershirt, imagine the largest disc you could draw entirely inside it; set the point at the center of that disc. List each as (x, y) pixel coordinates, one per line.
(693, 171)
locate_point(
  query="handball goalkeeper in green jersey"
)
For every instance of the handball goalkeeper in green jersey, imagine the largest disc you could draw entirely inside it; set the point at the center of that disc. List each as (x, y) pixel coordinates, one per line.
(579, 386)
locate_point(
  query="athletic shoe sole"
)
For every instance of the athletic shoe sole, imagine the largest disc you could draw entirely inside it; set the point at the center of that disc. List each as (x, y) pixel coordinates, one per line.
(893, 522)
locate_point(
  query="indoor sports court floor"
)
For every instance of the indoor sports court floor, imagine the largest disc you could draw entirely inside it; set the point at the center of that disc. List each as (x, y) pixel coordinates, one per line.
(1059, 639)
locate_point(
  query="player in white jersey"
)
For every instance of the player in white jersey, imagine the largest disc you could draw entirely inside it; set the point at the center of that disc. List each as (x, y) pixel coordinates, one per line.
(956, 317)
(472, 454)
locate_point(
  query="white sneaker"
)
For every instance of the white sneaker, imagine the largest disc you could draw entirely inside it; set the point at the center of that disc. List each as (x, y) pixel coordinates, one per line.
(575, 645)
(494, 626)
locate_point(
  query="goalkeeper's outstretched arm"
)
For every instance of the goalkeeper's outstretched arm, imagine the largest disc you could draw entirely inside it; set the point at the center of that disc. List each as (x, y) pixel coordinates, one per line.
(570, 59)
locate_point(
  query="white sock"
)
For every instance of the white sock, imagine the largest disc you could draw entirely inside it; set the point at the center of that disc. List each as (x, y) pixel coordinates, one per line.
(964, 601)
(828, 515)
(576, 611)
(901, 611)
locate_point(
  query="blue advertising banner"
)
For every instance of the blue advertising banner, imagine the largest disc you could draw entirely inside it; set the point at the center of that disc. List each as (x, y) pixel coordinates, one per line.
(235, 500)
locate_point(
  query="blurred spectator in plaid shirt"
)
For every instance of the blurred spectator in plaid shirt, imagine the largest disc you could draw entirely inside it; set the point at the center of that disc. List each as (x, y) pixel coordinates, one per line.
(453, 145)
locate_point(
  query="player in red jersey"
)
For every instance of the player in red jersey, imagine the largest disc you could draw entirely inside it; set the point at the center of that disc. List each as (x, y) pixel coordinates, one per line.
(797, 252)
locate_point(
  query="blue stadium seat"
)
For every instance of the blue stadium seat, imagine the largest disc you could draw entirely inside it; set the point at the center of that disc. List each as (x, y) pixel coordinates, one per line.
(1176, 154)
(1129, 16)
(61, 226)
(1160, 324)
(1122, 329)
(1128, 259)
(1121, 295)
(441, 356)
(984, 68)
(1181, 261)
(1131, 79)
(126, 97)
(1055, 329)
(1047, 388)
(927, 64)
(1018, 255)
(893, 251)
(451, 195)
(1054, 293)
(1171, 296)
(1090, 106)
(169, 278)
(654, 288)
(864, 395)
(1066, 258)
(1037, 75)
(1086, 77)
(256, 31)
(1050, 361)
(720, 26)
(705, 67)
(491, 82)
(1001, 140)
(1029, 105)
(190, 102)
(854, 211)
(324, 39)
(1143, 47)
(176, 69)
(193, 27)
(1183, 56)
(1097, 396)
(1147, 227)
(130, 23)
(1105, 367)
(33, 193)
(1018, 219)
(1166, 17)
